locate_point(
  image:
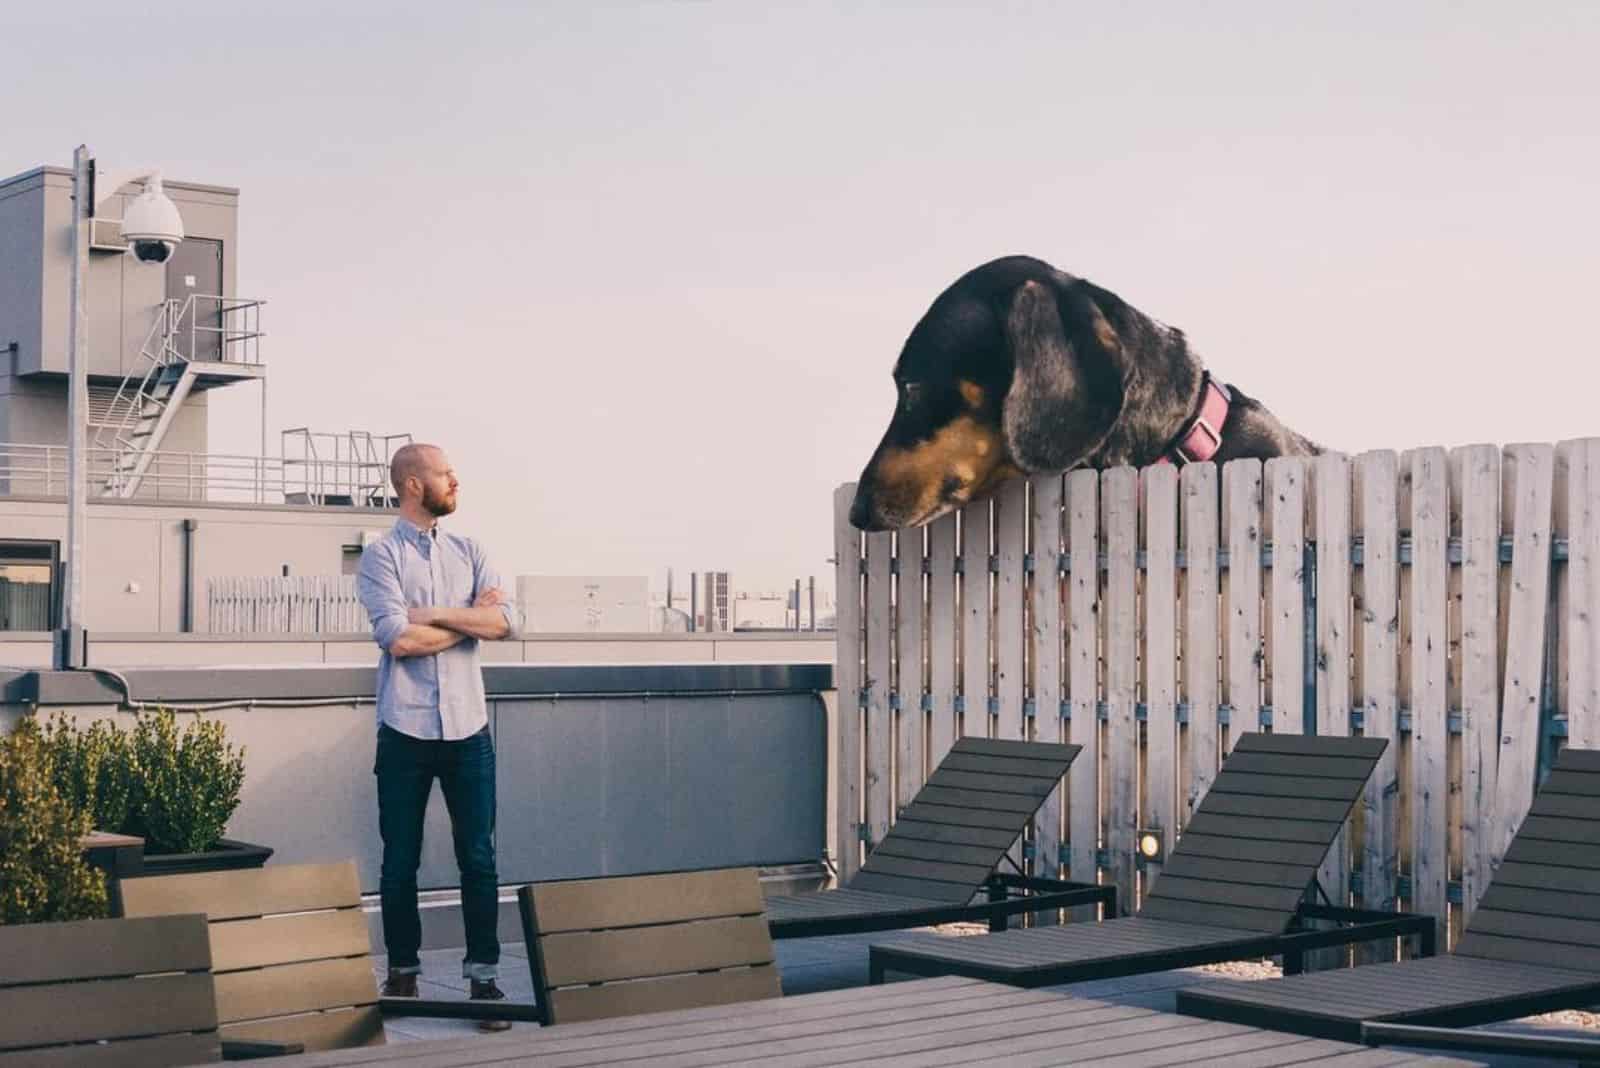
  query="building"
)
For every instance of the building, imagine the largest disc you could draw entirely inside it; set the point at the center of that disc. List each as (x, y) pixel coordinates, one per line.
(165, 515)
(716, 602)
(584, 604)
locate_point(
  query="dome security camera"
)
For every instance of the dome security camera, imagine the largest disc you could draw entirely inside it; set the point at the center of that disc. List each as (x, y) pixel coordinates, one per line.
(151, 225)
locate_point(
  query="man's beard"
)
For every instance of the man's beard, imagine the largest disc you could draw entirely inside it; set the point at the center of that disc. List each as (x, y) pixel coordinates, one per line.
(436, 505)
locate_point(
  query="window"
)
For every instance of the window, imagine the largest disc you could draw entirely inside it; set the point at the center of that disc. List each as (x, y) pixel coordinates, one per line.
(28, 584)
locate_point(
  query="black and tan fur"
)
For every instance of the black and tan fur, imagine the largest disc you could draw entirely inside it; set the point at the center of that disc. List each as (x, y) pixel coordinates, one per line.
(1019, 368)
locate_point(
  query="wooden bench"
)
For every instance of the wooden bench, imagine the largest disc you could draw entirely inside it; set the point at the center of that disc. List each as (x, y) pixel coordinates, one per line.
(945, 849)
(1234, 888)
(625, 945)
(130, 992)
(290, 953)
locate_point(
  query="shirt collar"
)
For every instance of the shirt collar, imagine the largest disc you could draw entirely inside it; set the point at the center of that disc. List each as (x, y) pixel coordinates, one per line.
(411, 531)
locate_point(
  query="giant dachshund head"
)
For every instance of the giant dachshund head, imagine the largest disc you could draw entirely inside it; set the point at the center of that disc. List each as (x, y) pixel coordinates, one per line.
(1014, 369)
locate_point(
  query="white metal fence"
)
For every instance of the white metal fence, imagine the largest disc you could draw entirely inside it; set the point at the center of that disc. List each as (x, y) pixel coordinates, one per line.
(311, 604)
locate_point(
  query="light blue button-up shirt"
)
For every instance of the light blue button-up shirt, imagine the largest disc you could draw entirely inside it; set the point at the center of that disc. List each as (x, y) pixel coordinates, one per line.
(441, 695)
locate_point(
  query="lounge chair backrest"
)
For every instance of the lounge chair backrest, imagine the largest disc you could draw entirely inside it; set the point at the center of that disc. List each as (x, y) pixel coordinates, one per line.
(1249, 853)
(289, 948)
(973, 807)
(142, 987)
(623, 945)
(1543, 902)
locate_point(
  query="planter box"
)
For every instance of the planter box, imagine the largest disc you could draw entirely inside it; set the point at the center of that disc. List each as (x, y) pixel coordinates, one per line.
(228, 855)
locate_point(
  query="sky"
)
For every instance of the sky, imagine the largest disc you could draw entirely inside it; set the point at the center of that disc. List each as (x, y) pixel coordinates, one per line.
(643, 269)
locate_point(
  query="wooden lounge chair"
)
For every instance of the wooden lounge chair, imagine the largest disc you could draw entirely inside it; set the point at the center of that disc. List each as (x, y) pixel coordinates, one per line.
(1532, 945)
(108, 992)
(1234, 887)
(624, 945)
(945, 847)
(291, 956)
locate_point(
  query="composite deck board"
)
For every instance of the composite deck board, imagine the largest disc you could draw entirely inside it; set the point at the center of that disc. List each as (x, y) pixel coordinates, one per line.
(950, 893)
(1274, 830)
(1222, 871)
(1565, 854)
(936, 852)
(1072, 943)
(845, 902)
(1221, 847)
(986, 800)
(916, 868)
(1019, 767)
(1321, 810)
(1343, 768)
(908, 828)
(1549, 877)
(960, 817)
(1281, 786)
(893, 1026)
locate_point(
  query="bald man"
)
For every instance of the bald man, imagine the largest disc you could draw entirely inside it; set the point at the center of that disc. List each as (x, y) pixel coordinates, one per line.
(432, 597)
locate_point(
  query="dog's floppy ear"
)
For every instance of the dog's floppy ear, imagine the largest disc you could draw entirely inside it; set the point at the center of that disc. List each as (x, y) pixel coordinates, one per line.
(1068, 384)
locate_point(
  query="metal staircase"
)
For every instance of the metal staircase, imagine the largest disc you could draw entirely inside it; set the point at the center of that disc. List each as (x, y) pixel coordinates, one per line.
(142, 411)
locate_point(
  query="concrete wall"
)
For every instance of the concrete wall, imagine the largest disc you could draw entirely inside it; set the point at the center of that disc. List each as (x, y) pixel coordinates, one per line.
(569, 604)
(118, 651)
(600, 770)
(134, 550)
(22, 279)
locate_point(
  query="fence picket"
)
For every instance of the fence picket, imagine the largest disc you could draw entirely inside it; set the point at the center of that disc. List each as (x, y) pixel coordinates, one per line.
(1201, 645)
(1241, 502)
(1578, 664)
(1475, 519)
(1284, 485)
(1120, 507)
(976, 605)
(1527, 474)
(942, 609)
(910, 719)
(1160, 662)
(1330, 491)
(1045, 617)
(879, 717)
(1430, 515)
(1083, 633)
(847, 683)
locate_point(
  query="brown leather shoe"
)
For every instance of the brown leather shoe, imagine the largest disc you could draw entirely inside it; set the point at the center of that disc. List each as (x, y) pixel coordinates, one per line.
(400, 985)
(486, 990)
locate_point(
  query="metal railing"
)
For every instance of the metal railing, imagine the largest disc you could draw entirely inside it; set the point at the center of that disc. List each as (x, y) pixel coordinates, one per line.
(28, 470)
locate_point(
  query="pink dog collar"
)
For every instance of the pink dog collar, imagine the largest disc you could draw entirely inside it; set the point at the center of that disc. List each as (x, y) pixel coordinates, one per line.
(1202, 437)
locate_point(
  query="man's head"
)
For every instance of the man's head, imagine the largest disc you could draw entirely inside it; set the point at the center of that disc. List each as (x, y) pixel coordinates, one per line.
(423, 478)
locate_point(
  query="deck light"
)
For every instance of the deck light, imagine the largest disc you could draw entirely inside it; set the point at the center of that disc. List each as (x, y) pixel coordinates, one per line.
(1150, 845)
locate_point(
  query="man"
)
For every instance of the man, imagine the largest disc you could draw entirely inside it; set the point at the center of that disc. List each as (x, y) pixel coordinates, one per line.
(432, 596)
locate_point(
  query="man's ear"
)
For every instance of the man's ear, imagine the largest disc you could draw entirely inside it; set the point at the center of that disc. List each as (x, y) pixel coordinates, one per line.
(1068, 384)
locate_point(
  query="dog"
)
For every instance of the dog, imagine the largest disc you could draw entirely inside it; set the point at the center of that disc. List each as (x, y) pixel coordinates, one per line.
(1021, 368)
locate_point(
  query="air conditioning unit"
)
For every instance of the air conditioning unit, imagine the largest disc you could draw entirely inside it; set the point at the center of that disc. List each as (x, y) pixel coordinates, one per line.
(105, 235)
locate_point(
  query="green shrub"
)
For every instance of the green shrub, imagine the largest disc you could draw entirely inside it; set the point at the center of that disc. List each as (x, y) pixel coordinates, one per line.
(185, 787)
(95, 769)
(44, 876)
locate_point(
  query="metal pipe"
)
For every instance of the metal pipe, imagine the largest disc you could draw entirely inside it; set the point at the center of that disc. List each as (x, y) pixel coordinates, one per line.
(69, 648)
(189, 527)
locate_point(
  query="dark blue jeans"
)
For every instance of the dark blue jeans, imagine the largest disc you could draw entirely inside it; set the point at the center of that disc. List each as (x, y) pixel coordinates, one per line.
(406, 768)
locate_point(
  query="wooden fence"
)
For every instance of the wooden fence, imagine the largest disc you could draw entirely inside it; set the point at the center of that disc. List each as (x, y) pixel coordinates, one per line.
(310, 604)
(1445, 599)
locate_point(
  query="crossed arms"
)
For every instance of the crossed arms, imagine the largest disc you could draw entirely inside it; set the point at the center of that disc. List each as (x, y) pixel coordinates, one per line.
(430, 630)
(405, 631)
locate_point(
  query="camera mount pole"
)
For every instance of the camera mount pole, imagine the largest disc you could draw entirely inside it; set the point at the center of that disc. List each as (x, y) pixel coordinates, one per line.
(87, 196)
(69, 650)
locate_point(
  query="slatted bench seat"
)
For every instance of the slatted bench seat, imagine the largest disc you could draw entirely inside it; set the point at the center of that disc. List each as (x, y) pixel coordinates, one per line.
(945, 848)
(108, 992)
(627, 945)
(1532, 945)
(1234, 887)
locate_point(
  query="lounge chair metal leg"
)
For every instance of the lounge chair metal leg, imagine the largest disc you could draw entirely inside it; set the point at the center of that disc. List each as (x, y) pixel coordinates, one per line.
(997, 893)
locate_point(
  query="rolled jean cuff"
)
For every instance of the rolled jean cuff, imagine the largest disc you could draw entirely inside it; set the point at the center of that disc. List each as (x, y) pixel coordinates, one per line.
(471, 969)
(405, 969)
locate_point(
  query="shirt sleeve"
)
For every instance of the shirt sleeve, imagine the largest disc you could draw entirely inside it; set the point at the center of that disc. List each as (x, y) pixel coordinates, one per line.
(378, 586)
(484, 577)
